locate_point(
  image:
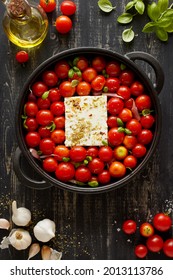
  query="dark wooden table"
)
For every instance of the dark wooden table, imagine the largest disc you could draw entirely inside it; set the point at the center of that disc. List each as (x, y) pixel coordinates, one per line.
(87, 226)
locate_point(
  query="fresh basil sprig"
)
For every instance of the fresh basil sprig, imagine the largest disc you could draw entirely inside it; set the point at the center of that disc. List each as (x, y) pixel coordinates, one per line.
(161, 15)
(105, 6)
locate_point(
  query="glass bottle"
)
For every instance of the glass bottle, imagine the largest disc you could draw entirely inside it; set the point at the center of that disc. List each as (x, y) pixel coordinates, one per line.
(25, 25)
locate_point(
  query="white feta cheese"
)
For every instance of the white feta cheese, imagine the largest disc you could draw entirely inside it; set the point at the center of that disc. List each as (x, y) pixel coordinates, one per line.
(86, 121)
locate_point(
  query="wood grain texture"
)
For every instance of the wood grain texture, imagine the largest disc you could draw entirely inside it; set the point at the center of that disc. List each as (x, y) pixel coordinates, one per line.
(87, 226)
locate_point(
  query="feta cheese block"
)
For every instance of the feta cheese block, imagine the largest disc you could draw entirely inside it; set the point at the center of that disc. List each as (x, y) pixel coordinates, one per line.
(86, 121)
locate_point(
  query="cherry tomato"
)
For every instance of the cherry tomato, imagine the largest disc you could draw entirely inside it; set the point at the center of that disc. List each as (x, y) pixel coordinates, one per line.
(137, 88)
(63, 24)
(61, 69)
(146, 229)
(68, 8)
(105, 153)
(65, 171)
(92, 152)
(61, 152)
(143, 102)
(117, 169)
(54, 94)
(168, 247)
(22, 56)
(83, 88)
(44, 117)
(30, 124)
(139, 151)
(44, 132)
(115, 137)
(130, 141)
(43, 103)
(112, 121)
(59, 121)
(96, 166)
(115, 105)
(112, 84)
(147, 121)
(57, 108)
(104, 177)
(162, 222)
(89, 74)
(126, 77)
(124, 92)
(145, 136)
(81, 63)
(48, 5)
(77, 153)
(47, 146)
(125, 115)
(58, 136)
(83, 174)
(154, 243)
(113, 69)
(130, 162)
(129, 226)
(134, 126)
(98, 63)
(141, 251)
(66, 89)
(50, 164)
(30, 109)
(50, 78)
(32, 139)
(38, 88)
(120, 152)
(98, 83)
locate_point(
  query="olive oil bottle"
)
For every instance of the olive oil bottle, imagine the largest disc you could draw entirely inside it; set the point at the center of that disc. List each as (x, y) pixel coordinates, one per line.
(25, 25)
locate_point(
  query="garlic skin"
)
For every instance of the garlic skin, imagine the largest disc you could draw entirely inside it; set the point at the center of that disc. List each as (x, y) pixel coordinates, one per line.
(44, 230)
(4, 224)
(20, 216)
(20, 239)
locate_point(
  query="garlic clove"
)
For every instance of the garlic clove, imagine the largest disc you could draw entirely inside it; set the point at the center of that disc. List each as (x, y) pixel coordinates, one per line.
(55, 255)
(33, 250)
(46, 252)
(44, 230)
(20, 216)
(4, 224)
(20, 239)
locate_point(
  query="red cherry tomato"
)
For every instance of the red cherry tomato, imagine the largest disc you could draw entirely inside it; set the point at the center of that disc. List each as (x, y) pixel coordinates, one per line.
(141, 251)
(145, 136)
(115, 105)
(54, 95)
(50, 164)
(117, 169)
(129, 226)
(130, 162)
(77, 153)
(61, 152)
(113, 69)
(96, 166)
(137, 88)
(105, 153)
(57, 108)
(112, 121)
(125, 115)
(58, 136)
(44, 117)
(65, 171)
(124, 92)
(89, 74)
(81, 63)
(50, 78)
(32, 139)
(115, 137)
(98, 83)
(48, 5)
(30, 124)
(22, 56)
(30, 109)
(162, 222)
(112, 84)
(143, 102)
(92, 152)
(44, 132)
(146, 229)
(168, 247)
(61, 69)
(83, 88)
(68, 8)
(147, 121)
(134, 126)
(98, 63)
(154, 243)
(59, 121)
(139, 151)
(83, 174)
(43, 103)
(38, 88)
(126, 77)
(66, 89)
(46, 146)
(63, 24)
(104, 177)
(130, 141)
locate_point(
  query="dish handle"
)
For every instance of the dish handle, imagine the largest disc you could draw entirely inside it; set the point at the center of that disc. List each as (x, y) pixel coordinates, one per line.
(36, 182)
(153, 62)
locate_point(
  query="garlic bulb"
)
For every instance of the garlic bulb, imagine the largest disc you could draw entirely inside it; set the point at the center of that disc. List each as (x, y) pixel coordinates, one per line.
(20, 216)
(20, 239)
(44, 230)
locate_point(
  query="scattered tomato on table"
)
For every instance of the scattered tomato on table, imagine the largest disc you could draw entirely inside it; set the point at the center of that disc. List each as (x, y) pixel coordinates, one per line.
(22, 56)
(68, 8)
(48, 5)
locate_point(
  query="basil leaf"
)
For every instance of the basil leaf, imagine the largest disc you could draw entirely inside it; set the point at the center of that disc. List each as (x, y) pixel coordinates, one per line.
(163, 22)
(128, 35)
(163, 5)
(153, 11)
(168, 13)
(140, 7)
(129, 5)
(162, 34)
(125, 18)
(105, 6)
(149, 27)
(169, 28)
